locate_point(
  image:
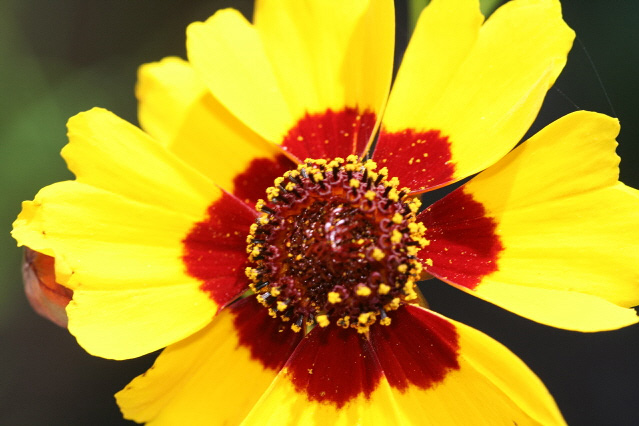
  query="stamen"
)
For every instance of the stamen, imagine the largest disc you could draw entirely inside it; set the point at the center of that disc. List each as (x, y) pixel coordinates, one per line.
(337, 245)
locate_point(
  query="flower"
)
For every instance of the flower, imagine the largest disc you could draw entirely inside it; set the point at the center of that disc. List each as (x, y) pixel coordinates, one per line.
(249, 187)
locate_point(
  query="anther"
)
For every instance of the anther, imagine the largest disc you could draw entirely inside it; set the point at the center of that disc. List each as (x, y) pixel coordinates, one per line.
(259, 286)
(384, 319)
(322, 320)
(297, 327)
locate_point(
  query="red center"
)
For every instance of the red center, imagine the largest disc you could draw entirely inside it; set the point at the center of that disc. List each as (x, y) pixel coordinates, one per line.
(333, 243)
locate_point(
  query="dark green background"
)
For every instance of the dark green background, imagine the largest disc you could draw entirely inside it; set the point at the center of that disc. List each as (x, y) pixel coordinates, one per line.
(61, 57)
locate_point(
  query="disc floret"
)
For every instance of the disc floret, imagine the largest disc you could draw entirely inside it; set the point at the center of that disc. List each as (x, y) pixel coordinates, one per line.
(336, 241)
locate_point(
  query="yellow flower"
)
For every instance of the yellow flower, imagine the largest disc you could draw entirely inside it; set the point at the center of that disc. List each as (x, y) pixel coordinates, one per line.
(249, 174)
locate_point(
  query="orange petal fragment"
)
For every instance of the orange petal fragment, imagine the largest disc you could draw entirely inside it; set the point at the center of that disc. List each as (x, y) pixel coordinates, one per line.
(46, 296)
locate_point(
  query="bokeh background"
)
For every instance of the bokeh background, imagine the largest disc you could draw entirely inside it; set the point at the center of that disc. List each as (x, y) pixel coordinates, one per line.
(61, 57)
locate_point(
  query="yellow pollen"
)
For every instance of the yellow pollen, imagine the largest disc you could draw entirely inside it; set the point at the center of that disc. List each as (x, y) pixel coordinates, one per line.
(410, 294)
(272, 192)
(290, 186)
(429, 262)
(317, 177)
(370, 165)
(278, 180)
(363, 291)
(394, 304)
(402, 268)
(383, 289)
(296, 328)
(338, 161)
(275, 291)
(385, 321)
(361, 329)
(370, 195)
(383, 171)
(334, 297)
(322, 320)
(396, 236)
(377, 254)
(263, 219)
(281, 306)
(354, 183)
(397, 218)
(344, 322)
(393, 195)
(251, 273)
(414, 205)
(412, 250)
(365, 317)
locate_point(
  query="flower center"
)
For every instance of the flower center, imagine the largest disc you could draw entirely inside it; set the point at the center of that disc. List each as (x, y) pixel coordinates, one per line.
(336, 241)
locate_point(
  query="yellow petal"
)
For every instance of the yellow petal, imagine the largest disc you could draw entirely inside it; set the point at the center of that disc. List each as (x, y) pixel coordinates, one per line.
(331, 378)
(112, 242)
(109, 153)
(132, 322)
(444, 36)
(123, 260)
(229, 56)
(126, 232)
(165, 91)
(217, 144)
(177, 108)
(566, 309)
(300, 59)
(423, 369)
(215, 376)
(488, 386)
(567, 230)
(492, 96)
(329, 54)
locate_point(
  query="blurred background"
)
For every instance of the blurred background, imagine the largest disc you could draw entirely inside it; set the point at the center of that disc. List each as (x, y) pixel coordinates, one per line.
(59, 58)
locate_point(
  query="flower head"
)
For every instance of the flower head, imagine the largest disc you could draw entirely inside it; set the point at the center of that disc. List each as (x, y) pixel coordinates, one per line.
(265, 227)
